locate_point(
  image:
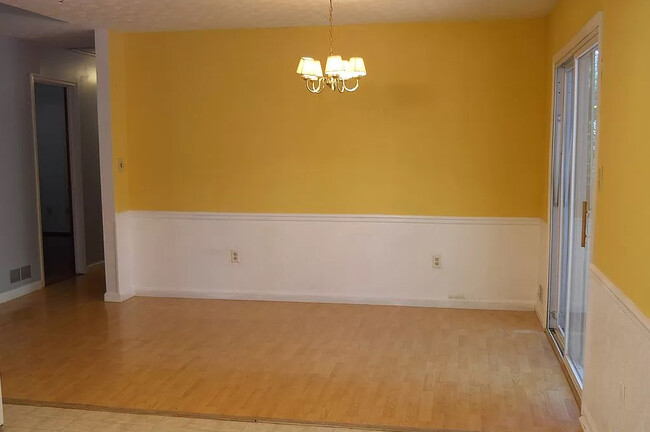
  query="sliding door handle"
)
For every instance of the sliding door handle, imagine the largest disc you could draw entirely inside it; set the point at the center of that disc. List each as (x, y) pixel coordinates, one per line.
(585, 214)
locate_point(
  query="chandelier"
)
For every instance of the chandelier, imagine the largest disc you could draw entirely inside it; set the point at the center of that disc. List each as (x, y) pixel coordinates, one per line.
(338, 72)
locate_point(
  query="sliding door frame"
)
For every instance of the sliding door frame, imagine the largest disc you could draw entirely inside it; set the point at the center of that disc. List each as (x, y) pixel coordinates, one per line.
(593, 30)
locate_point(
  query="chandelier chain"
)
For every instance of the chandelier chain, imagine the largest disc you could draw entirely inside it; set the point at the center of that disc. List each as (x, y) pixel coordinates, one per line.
(331, 28)
(340, 75)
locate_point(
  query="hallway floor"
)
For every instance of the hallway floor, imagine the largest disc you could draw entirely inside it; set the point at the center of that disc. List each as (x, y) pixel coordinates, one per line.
(376, 366)
(58, 256)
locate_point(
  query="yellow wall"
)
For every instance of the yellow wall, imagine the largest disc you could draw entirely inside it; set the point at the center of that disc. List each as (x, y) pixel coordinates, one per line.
(119, 117)
(568, 17)
(622, 232)
(451, 120)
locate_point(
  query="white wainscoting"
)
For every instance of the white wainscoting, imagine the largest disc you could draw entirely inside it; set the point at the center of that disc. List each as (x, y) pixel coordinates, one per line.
(487, 263)
(616, 395)
(124, 241)
(542, 275)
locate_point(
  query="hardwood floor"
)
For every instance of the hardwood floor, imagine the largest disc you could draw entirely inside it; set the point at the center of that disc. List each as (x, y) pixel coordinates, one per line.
(366, 365)
(23, 418)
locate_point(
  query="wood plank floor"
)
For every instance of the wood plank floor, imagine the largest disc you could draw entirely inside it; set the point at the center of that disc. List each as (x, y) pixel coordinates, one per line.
(23, 418)
(365, 365)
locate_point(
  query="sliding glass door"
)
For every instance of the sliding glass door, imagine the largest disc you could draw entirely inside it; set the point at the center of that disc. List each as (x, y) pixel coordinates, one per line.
(574, 147)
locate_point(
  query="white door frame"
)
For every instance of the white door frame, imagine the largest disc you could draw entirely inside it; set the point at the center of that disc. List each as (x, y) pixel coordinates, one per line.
(595, 24)
(593, 29)
(75, 167)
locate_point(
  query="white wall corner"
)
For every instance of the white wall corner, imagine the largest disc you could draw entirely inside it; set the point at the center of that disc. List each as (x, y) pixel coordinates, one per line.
(541, 301)
(106, 162)
(124, 250)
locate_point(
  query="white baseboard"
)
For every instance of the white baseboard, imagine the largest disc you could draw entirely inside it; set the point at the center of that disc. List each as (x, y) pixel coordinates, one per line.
(487, 263)
(94, 265)
(112, 297)
(616, 393)
(442, 303)
(587, 422)
(20, 291)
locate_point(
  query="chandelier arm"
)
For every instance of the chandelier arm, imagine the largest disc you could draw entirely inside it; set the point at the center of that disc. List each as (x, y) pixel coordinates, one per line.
(313, 88)
(356, 86)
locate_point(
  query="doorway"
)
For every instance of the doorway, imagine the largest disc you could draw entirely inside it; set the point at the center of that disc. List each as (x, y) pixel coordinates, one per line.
(58, 179)
(54, 182)
(572, 187)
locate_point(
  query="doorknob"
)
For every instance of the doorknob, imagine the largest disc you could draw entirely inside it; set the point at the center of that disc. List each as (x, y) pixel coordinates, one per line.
(585, 211)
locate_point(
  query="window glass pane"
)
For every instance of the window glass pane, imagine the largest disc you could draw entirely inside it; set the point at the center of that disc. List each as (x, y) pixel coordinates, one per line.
(587, 88)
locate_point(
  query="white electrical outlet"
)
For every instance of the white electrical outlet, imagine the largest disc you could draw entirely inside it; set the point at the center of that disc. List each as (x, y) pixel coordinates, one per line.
(437, 261)
(234, 256)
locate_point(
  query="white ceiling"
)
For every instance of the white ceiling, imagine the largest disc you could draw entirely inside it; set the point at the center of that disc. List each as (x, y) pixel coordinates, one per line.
(28, 25)
(157, 15)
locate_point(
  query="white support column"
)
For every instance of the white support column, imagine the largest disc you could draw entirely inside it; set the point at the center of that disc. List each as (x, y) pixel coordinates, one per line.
(116, 290)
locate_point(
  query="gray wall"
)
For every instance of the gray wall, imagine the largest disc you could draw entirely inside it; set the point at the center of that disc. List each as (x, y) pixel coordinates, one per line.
(18, 218)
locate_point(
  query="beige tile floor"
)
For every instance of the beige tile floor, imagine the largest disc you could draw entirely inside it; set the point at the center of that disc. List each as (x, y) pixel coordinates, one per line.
(23, 418)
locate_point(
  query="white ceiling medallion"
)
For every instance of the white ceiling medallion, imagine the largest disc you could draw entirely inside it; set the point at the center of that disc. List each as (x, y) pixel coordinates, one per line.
(338, 72)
